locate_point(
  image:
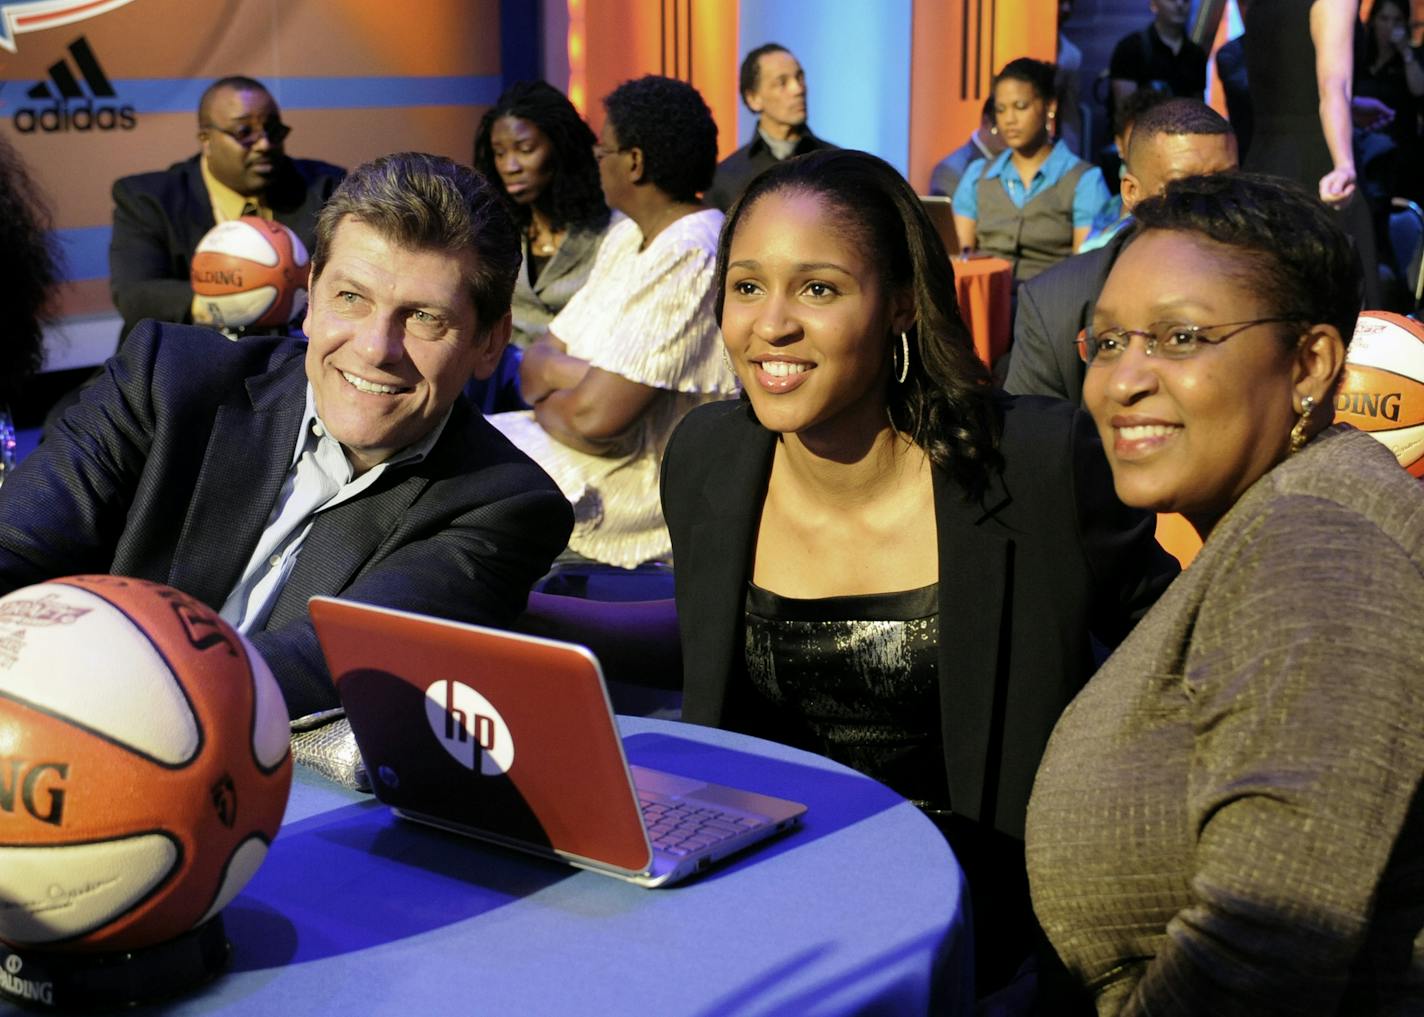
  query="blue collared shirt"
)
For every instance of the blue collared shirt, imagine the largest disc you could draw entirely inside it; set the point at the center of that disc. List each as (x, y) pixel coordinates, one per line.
(319, 477)
(1105, 229)
(1089, 196)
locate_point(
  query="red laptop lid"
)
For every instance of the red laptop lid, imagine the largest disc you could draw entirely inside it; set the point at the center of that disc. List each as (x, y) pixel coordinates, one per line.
(507, 734)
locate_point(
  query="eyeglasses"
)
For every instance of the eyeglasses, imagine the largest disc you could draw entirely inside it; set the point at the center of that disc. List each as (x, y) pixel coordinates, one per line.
(600, 152)
(1172, 339)
(248, 132)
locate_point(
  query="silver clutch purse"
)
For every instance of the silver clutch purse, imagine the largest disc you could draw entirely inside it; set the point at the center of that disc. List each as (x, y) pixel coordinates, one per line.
(323, 742)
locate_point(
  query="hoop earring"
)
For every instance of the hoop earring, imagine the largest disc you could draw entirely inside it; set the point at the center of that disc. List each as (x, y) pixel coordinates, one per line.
(1298, 437)
(902, 370)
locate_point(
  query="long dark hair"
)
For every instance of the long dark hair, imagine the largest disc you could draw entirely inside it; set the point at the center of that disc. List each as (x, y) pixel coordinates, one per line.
(29, 268)
(946, 403)
(575, 198)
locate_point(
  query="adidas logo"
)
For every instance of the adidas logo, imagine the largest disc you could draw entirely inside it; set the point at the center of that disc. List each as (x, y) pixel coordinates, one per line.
(73, 108)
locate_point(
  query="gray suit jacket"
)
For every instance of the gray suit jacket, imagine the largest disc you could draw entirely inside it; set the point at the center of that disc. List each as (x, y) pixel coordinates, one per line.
(1052, 309)
(168, 467)
(538, 303)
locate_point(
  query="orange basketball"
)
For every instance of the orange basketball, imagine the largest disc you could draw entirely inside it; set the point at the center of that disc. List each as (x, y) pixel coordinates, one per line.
(1383, 388)
(251, 272)
(144, 763)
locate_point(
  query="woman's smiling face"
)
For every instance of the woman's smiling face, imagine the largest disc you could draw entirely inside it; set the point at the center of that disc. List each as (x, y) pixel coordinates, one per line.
(806, 317)
(1190, 435)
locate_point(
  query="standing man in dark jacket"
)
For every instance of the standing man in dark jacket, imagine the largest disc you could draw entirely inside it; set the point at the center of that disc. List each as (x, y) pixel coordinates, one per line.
(241, 169)
(774, 88)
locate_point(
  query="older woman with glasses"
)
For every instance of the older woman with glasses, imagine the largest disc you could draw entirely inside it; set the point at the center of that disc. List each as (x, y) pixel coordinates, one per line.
(1228, 819)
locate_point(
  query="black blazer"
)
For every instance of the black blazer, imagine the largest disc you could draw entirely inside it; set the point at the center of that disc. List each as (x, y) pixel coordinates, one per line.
(159, 218)
(1053, 308)
(168, 467)
(1026, 572)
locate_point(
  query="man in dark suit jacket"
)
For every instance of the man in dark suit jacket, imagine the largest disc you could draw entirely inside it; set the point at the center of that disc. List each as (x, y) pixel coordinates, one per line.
(253, 475)
(773, 86)
(1174, 139)
(159, 218)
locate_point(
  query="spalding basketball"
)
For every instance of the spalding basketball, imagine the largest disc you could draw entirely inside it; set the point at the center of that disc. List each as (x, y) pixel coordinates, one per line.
(1383, 388)
(251, 273)
(144, 764)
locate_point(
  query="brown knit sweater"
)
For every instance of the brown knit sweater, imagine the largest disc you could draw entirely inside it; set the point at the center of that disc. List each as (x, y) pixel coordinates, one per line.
(1229, 818)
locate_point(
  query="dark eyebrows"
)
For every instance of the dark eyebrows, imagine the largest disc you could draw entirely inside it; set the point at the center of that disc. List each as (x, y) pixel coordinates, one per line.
(752, 265)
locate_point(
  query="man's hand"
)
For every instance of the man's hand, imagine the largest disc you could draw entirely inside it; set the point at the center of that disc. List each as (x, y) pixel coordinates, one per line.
(1337, 185)
(201, 314)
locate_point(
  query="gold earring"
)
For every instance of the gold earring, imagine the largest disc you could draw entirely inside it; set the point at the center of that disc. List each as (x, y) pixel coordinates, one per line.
(1298, 437)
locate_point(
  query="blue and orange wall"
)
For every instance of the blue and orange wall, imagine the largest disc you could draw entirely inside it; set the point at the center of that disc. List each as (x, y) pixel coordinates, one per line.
(358, 78)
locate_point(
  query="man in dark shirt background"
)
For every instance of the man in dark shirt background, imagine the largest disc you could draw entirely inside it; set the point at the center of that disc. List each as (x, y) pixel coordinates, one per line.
(1160, 56)
(773, 86)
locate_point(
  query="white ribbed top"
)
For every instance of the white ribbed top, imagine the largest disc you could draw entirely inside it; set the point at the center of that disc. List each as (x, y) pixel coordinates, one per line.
(648, 317)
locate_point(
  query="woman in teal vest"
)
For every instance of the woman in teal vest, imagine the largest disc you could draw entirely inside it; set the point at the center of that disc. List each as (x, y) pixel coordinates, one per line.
(1035, 203)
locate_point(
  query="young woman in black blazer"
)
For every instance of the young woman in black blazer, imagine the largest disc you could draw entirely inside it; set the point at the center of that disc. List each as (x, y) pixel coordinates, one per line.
(878, 556)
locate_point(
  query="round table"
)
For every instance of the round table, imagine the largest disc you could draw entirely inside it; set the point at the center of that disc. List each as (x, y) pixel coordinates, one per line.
(357, 912)
(984, 286)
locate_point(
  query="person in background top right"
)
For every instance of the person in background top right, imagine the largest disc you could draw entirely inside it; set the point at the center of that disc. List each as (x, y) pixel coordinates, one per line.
(1389, 68)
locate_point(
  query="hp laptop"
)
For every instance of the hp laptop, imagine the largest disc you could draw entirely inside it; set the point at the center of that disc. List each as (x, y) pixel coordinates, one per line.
(511, 739)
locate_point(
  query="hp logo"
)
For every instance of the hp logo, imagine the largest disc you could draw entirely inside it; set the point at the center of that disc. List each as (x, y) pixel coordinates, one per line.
(469, 727)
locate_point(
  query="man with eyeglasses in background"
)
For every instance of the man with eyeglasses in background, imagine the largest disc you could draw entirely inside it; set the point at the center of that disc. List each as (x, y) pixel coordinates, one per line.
(241, 169)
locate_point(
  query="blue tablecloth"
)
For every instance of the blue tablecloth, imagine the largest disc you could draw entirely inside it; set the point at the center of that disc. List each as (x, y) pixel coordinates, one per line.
(356, 912)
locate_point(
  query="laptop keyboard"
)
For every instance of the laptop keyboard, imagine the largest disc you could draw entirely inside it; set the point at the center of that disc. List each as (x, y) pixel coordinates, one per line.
(684, 828)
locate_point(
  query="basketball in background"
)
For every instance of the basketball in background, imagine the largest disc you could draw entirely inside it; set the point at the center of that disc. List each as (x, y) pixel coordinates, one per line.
(1383, 388)
(144, 764)
(251, 272)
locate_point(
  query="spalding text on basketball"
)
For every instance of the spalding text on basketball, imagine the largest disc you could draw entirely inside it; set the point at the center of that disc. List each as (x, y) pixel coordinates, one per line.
(29, 780)
(24, 988)
(220, 276)
(1370, 404)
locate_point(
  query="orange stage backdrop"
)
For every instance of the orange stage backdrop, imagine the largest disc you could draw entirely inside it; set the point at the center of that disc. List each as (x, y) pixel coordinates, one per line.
(357, 78)
(957, 45)
(692, 40)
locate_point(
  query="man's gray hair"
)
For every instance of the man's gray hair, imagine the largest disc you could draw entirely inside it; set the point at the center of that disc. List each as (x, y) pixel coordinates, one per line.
(425, 202)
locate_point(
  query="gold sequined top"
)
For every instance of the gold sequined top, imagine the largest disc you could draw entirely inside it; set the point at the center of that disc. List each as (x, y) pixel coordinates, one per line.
(855, 679)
